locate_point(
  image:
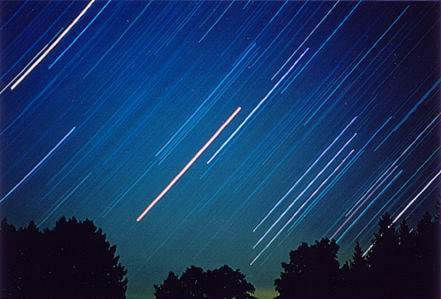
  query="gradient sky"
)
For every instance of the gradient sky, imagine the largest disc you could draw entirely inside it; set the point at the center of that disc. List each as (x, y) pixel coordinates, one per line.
(340, 123)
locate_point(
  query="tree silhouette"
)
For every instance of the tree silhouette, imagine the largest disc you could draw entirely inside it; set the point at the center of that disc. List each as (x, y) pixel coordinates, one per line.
(401, 264)
(222, 283)
(312, 272)
(427, 267)
(407, 258)
(21, 261)
(172, 287)
(194, 280)
(356, 275)
(228, 283)
(383, 258)
(73, 260)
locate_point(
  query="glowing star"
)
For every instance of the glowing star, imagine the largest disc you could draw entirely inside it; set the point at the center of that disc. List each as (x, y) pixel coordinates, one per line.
(181, 173)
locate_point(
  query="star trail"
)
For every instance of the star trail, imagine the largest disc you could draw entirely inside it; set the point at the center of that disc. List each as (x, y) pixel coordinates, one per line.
(104, 102)
(184, 170)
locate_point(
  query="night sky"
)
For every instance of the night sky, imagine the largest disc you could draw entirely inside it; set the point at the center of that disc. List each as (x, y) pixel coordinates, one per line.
(339, 123)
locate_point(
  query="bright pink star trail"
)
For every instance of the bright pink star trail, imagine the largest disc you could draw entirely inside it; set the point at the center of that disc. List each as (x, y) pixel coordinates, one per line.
(181, 173)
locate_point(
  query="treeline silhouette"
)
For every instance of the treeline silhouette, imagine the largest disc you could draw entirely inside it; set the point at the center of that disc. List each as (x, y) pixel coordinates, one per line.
(72, 260)
(222, 283)
(402, 263)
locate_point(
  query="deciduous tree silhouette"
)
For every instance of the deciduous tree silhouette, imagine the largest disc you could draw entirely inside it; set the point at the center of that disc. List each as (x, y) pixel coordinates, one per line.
(312, 272)
(73, 260)
(222, 283)
(194, 281)
(172, 287)
(20, 262)
(228, 283)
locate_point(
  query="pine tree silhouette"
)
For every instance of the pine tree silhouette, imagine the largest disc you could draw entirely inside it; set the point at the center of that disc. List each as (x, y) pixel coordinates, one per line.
(356, 277)
(427, 268)
(408, 261)
(383, 259)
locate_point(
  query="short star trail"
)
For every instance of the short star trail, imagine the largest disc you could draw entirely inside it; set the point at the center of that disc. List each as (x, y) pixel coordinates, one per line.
(111, 108)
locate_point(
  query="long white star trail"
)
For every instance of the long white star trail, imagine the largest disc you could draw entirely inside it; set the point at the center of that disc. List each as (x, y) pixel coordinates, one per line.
(38, 164)
(30, 62)
(79, 35)
(49, 48)
(416, 197)
(184, 170)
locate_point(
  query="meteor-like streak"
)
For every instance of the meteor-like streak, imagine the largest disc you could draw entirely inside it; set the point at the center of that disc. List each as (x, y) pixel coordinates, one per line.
(181, 173)
(50, 47)
(302, 206)
(39, 163)
(304, 190)
(416, 197)
(256, 108)
(304, 174)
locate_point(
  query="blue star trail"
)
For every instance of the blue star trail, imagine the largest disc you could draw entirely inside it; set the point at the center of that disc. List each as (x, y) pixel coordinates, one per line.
(104, 102)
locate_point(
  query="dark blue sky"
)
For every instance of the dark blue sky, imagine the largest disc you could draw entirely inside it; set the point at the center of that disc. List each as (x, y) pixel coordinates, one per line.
(340, 123)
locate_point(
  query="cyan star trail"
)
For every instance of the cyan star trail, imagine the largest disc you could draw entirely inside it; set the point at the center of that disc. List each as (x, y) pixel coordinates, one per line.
(103, 103)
